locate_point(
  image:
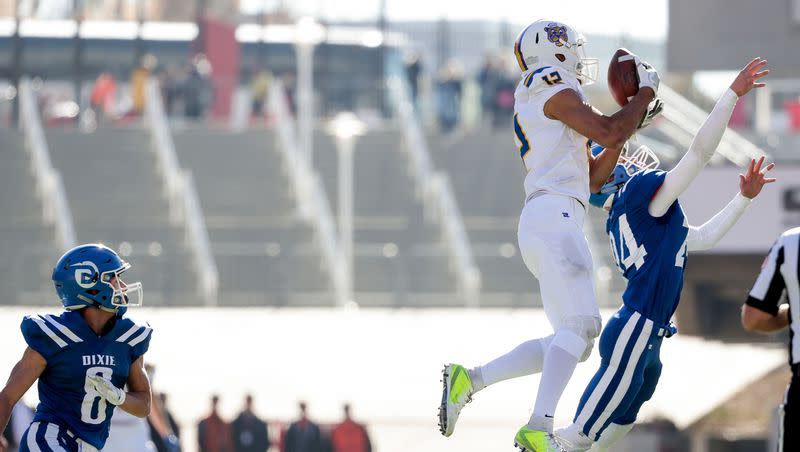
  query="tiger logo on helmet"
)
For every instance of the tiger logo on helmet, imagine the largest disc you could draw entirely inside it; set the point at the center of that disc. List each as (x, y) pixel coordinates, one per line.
(556, 33)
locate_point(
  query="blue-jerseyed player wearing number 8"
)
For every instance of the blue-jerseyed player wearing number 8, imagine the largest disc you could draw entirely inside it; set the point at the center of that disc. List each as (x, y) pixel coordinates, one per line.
(650, 237)
(82, 358)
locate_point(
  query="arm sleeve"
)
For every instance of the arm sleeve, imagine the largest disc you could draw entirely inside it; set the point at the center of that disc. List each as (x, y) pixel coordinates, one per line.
(706, 236)
(769, 287)
(699, 153)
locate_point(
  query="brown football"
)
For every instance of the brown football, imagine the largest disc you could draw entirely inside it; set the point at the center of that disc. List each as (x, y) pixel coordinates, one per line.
(623, 82)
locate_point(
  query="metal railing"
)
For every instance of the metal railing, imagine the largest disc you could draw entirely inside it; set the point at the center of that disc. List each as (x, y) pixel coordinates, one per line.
(184, 206)
(312, 203)
(49, 186)
(684, 119)
(434, 188)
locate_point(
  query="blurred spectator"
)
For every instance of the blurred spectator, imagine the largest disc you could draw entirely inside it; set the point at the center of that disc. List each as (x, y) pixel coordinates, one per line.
(198, 90)
(103, 96)
(259, 86)
(162, 433)
(21, 417)
(413, 71)
(250, 432)
(213, 433)
(173, 83)
(489, 78)
(176, 429)
(350, 436)
(448, 94)
(290, 87)
(303, 435)
(504, 100)
(139, 79)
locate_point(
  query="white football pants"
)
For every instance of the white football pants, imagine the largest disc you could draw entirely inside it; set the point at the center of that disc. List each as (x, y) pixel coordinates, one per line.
(555, 250)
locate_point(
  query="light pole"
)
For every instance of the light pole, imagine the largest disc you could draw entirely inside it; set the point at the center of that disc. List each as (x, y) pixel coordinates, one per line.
(307, 34)
(346, 127)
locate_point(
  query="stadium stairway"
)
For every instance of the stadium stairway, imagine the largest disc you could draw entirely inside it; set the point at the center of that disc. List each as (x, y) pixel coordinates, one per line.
(27, 244)
(399, 257)
(265, 254)
(487, 177)
(116, 197)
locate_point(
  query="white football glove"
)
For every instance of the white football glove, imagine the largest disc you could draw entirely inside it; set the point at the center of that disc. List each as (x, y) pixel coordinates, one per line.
(107, 390)
(653, 109)
(647, 74)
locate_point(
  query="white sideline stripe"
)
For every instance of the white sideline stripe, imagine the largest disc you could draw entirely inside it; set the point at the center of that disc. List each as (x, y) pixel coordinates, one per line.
(51, 436)
(66, 331)
(140, 337)
(32, 432)
(608, 375)
(61, 343)
(128, 333)
(625, 382)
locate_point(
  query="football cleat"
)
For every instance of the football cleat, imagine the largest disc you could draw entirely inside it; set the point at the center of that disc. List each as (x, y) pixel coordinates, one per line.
(528, 440)
(456, 392)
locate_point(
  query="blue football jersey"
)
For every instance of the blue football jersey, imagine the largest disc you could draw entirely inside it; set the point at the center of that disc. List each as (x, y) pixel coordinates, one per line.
(650, 252)
(73, 351)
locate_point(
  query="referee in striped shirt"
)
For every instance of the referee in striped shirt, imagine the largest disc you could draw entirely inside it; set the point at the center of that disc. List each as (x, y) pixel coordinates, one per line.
(767, 311)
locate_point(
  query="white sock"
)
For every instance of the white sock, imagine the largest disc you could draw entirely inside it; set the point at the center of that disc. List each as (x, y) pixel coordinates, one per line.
(611, 435)
(573, 439)
(526, 359)
(559, 365)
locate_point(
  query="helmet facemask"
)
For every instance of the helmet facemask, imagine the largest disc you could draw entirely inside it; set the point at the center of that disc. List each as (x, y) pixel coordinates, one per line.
(643, 158)
(123, 295)
(628, 165)
(585, 69)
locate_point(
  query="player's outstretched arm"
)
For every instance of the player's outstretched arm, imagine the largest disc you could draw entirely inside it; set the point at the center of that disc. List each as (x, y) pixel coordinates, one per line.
(23, 375)
(750, 185)
(707, 139)
(139, 395)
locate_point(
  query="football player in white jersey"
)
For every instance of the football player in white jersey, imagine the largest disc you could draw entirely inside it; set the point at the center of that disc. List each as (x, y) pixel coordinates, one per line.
(554, 126)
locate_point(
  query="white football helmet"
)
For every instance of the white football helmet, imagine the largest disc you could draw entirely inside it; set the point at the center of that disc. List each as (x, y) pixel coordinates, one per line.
(546, 42)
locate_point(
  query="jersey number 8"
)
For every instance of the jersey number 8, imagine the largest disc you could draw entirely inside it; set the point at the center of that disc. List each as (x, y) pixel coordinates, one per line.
(92, 396)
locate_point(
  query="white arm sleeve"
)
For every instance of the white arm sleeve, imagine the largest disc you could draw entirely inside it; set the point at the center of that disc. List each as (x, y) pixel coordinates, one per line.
(707, 235)
(699, 153)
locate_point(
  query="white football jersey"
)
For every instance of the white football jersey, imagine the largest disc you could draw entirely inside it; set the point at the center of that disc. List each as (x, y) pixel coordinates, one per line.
(555, 156)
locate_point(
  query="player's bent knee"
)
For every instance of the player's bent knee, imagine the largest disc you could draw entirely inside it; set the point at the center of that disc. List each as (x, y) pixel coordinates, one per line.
(576, 336)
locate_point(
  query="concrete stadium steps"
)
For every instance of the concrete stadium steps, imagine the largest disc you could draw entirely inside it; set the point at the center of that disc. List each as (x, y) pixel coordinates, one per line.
(487, 175)
(27, 244)
(381, 183)
(387, 212)
(237, 175)
(264, 252)
(116, 197)
(485, 169)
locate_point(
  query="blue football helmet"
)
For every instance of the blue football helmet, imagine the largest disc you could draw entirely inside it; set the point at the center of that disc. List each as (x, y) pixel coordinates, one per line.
(89, 275)
(628, 165)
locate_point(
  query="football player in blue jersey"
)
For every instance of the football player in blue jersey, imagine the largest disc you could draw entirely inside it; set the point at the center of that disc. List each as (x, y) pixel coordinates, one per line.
(650, 237)
(83, 358)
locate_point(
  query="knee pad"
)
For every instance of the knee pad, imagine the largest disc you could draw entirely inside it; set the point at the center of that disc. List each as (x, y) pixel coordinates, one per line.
(576, 336)
(588, 352)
